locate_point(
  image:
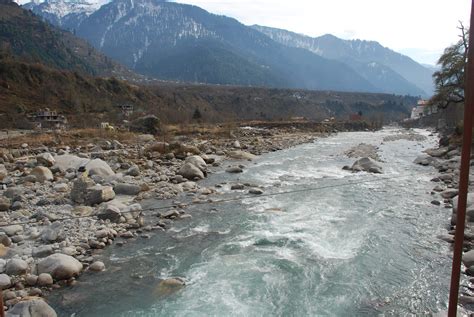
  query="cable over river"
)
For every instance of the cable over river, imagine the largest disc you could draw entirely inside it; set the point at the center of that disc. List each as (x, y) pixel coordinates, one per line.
(360, 249)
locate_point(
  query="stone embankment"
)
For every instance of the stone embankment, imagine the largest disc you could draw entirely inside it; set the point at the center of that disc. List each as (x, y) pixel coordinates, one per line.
(60, 205)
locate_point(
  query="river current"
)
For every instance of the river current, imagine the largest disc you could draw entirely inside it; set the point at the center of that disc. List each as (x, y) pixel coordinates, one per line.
(351, 245)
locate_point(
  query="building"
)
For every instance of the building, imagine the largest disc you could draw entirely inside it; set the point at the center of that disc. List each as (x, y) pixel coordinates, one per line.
(421, 109)
(48, 119)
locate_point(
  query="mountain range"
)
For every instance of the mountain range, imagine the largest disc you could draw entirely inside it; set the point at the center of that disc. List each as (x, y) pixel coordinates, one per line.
(179, 42)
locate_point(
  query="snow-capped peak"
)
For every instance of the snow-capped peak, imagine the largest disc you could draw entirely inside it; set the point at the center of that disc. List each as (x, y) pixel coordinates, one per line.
(61, 8)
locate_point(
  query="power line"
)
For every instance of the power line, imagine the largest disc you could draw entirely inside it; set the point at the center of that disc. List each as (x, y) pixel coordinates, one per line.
(239, 198)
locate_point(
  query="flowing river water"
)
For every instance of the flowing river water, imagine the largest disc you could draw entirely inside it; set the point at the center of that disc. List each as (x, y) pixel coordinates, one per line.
(359, 245)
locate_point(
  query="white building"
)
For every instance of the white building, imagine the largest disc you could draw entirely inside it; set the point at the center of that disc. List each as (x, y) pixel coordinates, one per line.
(420, 110)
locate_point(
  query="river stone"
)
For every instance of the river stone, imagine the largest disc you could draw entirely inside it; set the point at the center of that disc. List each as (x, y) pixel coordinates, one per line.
(190, 171)
(234, 170)
(5, 281)
(16, 267)
(45, 279)
(127, 189)
(366, 164)
(134, 170)
(255, 191)
(468, 258)
(469, 202)
(53, 233)
(3, 172)
(5, 204)
(449, 193)
(111, 213)
(31, 308)
(437, 152)
(12, 230)
(169, 285)
(237, 186)
(60, 266)
(31, 279)
(97, 266)
(42, 174)
(197, 161)
(241, 155)
(45, 159)
(99, 194)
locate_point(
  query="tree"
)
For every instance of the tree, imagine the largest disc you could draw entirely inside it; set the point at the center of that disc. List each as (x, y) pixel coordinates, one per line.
(449, 80)
(197, 114)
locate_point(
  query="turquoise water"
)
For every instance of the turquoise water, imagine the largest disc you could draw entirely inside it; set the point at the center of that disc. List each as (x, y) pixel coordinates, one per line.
(364, 249)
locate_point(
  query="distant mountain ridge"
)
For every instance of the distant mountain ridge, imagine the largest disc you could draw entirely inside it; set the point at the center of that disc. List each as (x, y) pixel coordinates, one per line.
(362, 55)
(180, 42)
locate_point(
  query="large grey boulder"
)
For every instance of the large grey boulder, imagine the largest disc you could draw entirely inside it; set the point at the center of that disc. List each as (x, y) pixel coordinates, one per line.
(5, 281)
(100, 168)
(12, 230)
(93, 167)
(99, 194)
(366, 164)
(42, 174)
(241, 155)
(31, 308)
(60, 266)
(197, 161)
(190, 171)
(425, 160)
(80, 187)
(5, 204)
(45, 159)
(16, 267)
(468, 258)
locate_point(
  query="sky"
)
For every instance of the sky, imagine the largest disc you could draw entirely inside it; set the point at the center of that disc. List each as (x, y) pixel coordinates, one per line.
(420, 29)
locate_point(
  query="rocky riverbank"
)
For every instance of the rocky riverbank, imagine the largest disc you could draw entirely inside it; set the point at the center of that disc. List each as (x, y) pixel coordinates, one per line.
(447, 160)
(61, 204)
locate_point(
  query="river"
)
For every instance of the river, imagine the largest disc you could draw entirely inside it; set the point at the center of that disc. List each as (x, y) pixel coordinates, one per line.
(351, 245)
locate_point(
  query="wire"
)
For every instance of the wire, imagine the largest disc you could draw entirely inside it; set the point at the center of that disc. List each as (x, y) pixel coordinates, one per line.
(240, 198)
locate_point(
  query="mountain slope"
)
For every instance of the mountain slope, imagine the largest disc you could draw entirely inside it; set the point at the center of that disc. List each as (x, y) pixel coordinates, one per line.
(412, 77)
(182, 42)
(26, 37)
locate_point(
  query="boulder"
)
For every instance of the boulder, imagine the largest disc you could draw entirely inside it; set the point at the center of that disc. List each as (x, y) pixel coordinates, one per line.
(12, 230)
(42, 251)
(5, 204)
(127, 189)
(80, 187)
(234, 170)
(97, 266)
(468, 258)
(45, 279)
(3, 172)
(99, 167)
(425, 160)
(99, 194)
(45, 159)
(111, 213)
(255, 191)
(93, 167)
(60, 266)
(197, 161)
(437, 152)
(16, 267)
(190, 171)
(53, 233)
(450, 193)
(42, 174)
(134, 170)
(241, 155)
(31, 308)
(366, 164)
(5, 281)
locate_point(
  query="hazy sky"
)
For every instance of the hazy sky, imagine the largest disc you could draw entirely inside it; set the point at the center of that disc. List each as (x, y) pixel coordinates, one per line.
(420, 29)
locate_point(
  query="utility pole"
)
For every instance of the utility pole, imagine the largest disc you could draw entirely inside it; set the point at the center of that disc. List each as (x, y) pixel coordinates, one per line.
(464, 173)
